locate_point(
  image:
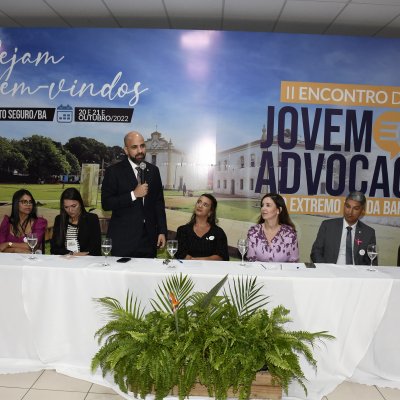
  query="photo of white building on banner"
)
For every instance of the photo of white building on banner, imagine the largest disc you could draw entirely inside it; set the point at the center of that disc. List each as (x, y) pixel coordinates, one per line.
(237, 170)
(175, 167)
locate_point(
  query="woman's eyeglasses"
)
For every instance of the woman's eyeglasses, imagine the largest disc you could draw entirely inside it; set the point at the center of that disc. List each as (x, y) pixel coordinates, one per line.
(26, 202)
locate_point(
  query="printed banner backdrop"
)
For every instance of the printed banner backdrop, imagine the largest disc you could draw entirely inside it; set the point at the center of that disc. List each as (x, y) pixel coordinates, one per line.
(237, 113)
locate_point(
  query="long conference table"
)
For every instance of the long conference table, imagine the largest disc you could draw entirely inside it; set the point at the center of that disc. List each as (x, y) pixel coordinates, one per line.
(48, 316)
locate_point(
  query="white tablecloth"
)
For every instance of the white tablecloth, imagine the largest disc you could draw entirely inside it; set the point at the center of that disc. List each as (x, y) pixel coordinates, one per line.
(48, 316)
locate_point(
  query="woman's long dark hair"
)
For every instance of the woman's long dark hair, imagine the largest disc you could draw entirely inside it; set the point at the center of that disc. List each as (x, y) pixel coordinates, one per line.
(212, 218)
(283, 216)
(14, 218)
(68, 194)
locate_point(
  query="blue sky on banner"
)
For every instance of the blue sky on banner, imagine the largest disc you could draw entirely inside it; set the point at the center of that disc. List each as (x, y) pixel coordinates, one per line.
(200, 84)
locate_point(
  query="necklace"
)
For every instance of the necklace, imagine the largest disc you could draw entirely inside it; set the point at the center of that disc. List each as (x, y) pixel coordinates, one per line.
(23, 226)
(200, 230)
(202, 226)
(74, 220)
(271, 233)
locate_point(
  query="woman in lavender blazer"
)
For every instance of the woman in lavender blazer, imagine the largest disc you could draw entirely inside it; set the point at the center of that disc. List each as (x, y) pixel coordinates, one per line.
(274, 238)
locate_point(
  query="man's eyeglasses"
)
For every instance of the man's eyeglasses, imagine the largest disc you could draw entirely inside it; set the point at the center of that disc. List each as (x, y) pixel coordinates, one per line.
(26, 202)
(201, 203)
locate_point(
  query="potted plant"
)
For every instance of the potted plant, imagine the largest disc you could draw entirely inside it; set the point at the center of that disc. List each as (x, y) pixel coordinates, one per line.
(221, 341)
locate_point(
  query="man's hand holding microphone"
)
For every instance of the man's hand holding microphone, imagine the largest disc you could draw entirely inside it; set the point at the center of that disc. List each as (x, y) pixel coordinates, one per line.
(142, 188)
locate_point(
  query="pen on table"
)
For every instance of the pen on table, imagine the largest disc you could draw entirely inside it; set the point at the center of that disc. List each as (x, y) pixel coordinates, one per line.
(180, 260)
(263, 266)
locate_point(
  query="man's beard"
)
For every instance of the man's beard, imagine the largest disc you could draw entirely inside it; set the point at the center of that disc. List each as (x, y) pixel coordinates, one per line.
(138, 160)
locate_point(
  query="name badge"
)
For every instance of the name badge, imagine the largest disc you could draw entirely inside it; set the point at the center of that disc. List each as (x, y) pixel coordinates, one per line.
(72, 245)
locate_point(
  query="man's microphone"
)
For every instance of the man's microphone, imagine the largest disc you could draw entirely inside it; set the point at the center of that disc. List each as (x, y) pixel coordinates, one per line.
(142, 170)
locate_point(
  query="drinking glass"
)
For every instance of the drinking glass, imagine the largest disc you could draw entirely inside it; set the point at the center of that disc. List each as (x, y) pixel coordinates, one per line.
(172, 248)
(106, 246)
(31, 239)
(242, 245)
(372, 251)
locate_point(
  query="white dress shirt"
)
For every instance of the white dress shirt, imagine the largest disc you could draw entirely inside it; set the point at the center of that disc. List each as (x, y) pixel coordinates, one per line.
(342, 249)
(135, 171)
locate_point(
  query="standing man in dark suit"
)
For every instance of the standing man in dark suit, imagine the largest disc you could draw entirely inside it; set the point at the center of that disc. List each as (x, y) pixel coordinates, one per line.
(345, 240)
(135, 196)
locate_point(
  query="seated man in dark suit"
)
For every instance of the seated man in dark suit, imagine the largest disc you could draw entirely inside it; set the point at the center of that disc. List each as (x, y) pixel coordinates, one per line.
(345, 240)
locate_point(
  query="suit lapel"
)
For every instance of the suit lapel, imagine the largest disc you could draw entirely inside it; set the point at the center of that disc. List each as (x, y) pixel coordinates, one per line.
(337, 234)
(130, 174)
(357, 244)
(147, 173)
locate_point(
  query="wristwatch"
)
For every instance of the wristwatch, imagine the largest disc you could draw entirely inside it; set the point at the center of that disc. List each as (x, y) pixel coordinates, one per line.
(10, 244)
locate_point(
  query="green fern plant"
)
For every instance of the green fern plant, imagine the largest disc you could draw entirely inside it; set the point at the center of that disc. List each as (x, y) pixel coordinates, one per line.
(219, 340)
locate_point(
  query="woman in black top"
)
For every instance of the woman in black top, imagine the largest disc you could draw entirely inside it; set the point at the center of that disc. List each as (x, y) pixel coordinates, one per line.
(201, 238)
(75, 230)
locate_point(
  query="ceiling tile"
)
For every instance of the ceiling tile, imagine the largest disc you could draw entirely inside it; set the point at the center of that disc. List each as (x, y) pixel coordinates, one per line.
(194, 14)
(374, 18)
(307, 16)
(379, 2)
(196, 23)
(391, 30)
(6, 21)
(191, 8)
(88, 13)
(32, 13)
(138, 13)
(251, 15)
(350, 17)
(323, 1)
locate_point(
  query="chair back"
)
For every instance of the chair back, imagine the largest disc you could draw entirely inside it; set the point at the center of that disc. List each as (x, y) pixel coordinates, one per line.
(104, 222)
(398, 257)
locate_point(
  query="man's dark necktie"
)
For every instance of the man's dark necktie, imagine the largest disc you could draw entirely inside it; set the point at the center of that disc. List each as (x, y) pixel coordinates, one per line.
(140, 179)
(139, 175)
(349, 247)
